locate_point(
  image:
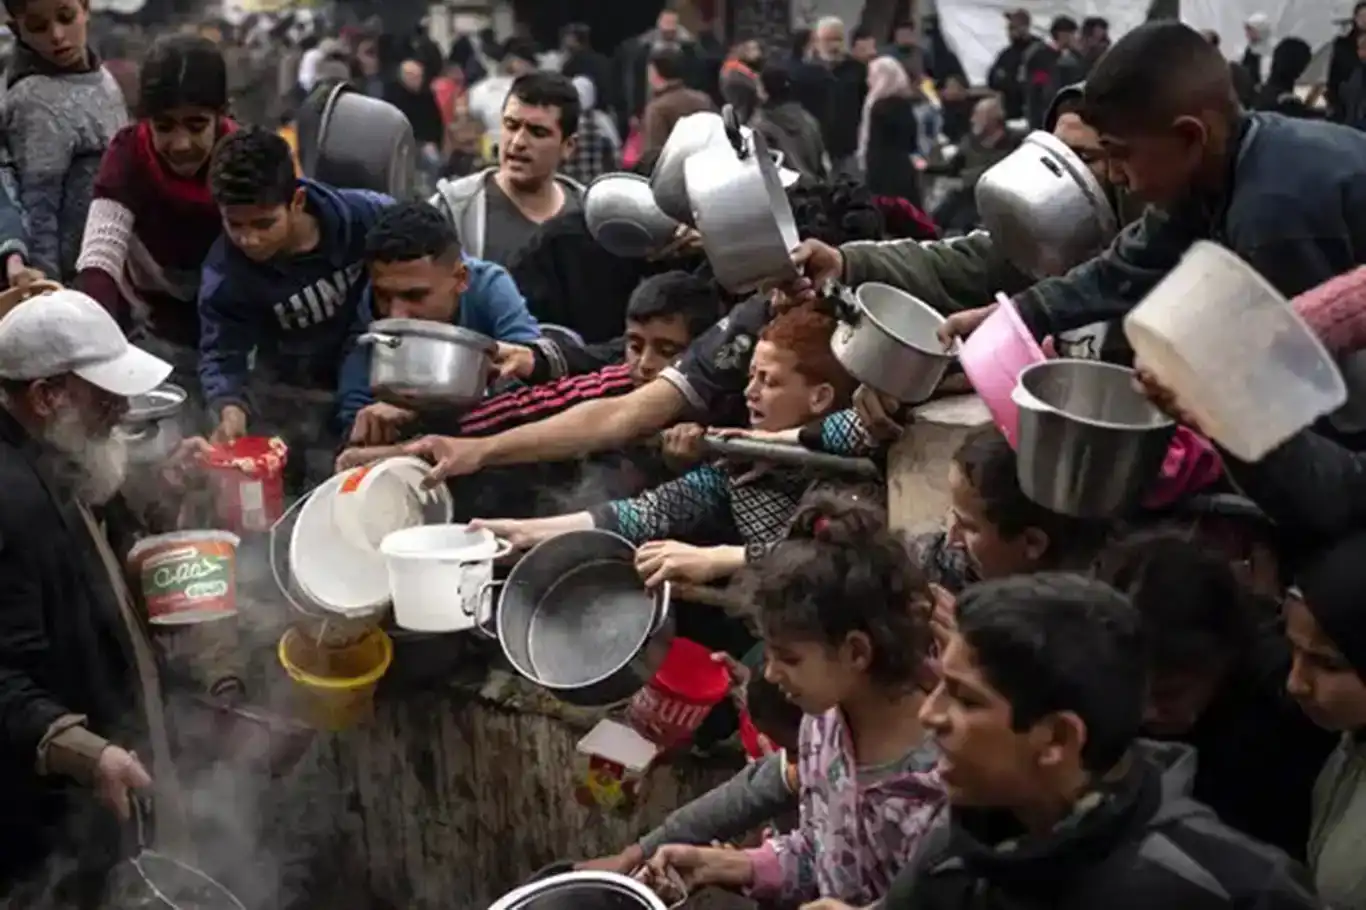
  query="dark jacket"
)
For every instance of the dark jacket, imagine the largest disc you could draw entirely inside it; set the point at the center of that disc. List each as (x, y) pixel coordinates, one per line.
(63, 650)
(1009, 77)
(846, 85)
(421, 110)
(792, 130)
(297, 313)
(1352, 99)
(893, 137)
(1294, 207)
(1145, 845)
(665, 109)
(1341, 64)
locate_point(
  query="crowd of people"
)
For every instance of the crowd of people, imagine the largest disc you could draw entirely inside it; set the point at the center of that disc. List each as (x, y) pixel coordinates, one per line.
(1020, 708)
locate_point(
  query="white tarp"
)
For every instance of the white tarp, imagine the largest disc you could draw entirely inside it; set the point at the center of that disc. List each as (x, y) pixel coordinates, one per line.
(1313, 21)
(976, 29)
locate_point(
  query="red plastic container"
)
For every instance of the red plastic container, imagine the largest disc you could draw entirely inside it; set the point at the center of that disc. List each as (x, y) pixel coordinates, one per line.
(756, 744)
(684, 690)
(249, 482)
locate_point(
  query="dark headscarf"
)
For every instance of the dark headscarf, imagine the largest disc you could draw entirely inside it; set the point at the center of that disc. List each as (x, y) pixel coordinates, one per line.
(1332, 582)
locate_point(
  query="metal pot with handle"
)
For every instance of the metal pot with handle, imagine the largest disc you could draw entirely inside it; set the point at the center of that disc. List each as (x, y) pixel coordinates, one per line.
(422, 365)
(1044, 208)
(742, 211)
(1089, 444)
(151, 428)
(151, 880)
(574, 618)
(582, 891)
(888, 340)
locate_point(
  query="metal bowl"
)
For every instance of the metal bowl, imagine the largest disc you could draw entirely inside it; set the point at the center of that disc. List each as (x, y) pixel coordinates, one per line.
(581, 891)
(624, 218)
(428, 365)
(151, 428)
(1044, 208)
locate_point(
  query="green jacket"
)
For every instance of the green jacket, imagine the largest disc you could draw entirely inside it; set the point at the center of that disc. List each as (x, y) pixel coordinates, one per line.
(950, 275)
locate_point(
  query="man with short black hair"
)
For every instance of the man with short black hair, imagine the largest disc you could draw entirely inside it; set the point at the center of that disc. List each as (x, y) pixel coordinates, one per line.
(280, 298)
(496, 210)
(1008, 75)
(417, 271)
(1052, 801)
(670, 98)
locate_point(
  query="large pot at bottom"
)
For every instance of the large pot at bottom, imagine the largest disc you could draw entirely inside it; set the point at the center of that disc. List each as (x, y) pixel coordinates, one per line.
(1089, 445)
(574, 618)
(581, 891)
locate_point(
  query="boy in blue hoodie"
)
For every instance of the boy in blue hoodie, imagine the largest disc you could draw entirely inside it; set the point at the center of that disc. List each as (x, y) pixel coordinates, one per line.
(418, 271)
(284, 282)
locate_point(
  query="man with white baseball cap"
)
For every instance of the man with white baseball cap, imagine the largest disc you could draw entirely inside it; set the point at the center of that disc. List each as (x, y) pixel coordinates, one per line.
(77, 673)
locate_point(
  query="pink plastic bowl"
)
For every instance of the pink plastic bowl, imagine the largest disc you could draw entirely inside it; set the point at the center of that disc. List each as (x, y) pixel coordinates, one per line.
(993, 357)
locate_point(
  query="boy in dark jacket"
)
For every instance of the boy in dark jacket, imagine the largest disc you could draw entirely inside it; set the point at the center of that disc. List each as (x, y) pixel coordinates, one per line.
(285, 281)
(1052, 802)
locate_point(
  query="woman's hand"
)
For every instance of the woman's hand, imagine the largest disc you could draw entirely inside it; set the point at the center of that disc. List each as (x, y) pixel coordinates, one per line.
(670, 560)
(681, 445)
(699, 867)
(523, 534)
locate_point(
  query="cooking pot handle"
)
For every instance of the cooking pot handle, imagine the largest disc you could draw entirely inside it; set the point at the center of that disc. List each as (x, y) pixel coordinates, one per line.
(663, 596)
(136, 436)
(737, 139)
(388, 341)
(485, 627)
(846, 305)
(140, 811)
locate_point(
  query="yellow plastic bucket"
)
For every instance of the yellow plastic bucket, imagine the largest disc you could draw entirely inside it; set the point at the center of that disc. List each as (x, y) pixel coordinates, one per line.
(337, 682)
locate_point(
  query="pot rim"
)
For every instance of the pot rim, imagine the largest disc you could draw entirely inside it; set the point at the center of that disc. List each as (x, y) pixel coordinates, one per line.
(866, 313)
(1164, 424)
(423, 328)
(519, 896)
(166, 401)
(660, 597)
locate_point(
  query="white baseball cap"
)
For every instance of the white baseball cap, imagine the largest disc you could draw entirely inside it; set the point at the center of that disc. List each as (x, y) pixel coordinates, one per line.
(68, 332)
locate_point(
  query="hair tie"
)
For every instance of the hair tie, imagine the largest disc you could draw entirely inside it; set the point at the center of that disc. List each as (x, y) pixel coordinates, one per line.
(820, 525)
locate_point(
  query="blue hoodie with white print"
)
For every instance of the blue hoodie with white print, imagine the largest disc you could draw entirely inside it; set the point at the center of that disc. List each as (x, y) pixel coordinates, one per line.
(299, 314)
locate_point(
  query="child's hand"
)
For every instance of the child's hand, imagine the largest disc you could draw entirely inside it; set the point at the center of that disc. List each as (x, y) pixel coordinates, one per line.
(739, 677)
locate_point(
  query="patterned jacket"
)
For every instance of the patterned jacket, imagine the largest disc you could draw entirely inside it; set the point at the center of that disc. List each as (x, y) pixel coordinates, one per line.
(852, 837)
(754, 508)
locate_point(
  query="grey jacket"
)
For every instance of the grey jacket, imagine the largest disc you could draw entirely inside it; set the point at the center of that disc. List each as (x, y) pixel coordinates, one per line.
(462, 201)
(56, 128)
(756, 795)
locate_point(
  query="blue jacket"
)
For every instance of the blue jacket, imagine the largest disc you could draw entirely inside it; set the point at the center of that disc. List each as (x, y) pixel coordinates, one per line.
(491, 305)
(299, 314)
(1294, 208)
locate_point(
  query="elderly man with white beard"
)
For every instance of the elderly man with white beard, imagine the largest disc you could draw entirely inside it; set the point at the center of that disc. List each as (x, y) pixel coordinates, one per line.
(78, 682)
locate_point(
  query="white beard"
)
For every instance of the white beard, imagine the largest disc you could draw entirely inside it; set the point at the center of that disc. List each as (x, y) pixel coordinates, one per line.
(100, 464)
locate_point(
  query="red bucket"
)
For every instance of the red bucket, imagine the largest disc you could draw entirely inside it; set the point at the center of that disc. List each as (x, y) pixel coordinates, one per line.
(249, 482)
(681, 695)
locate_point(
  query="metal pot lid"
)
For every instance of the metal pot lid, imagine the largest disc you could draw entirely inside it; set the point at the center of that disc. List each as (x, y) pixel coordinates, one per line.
(441, 331)
(163, 401)
(1056, 149)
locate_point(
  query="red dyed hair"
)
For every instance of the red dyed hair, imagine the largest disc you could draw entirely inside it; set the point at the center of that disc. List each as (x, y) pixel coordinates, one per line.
(804, 332)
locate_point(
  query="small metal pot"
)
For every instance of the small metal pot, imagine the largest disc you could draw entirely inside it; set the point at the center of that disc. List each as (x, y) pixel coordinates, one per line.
(888, 340)
(574, 618)
(421, 365)
(1044, 208)
(690, 135)
(581, 891)
(151, 428)
(742, 211)
(623, 217)
(1090, 445)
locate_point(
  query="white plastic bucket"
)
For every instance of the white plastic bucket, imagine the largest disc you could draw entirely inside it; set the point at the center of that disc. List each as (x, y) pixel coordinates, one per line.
(375, 500)
(1234, 352)
(437, 574)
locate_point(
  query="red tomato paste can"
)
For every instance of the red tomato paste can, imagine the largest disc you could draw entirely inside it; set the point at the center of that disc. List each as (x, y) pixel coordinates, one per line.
(187, 576)
(249, 482)
(680, 696)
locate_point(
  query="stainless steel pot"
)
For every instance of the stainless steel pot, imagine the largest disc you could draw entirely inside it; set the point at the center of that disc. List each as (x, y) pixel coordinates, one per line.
(362, 143)
(581, 891)
(574, 618)
(151, 428)
(623, 217)
(1044, 208)
(888, 340)
(740, 207)
(419, 364)
(1090, 445)
(692, 134)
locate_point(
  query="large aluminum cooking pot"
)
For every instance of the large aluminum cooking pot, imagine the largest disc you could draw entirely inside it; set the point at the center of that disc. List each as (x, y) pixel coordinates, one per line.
(574, 618)
(151, 428)
(419, 364)
(1090, 445)
(623, 217)
(363, 143)
(741, 209)
(1044, 208)
(888, 340)
(692, 134)
(581, 891)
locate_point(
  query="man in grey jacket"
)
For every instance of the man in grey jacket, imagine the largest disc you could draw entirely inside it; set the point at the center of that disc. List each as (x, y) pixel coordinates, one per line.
(497, 210)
